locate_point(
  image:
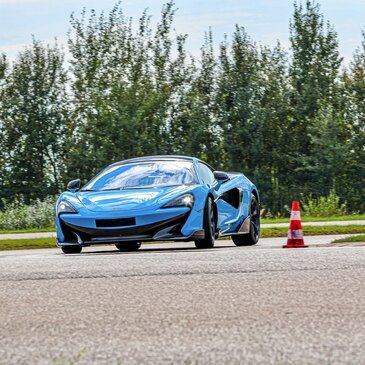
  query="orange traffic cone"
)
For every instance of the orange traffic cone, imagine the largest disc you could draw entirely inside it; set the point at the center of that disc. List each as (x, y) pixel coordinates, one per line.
(295, 232)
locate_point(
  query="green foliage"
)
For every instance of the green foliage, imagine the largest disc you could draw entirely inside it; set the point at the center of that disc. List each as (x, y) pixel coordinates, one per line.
(3, 66)
(316, 60)
(33, 118)
(127, 89)
(354, 96)
(323, 206)
(313, 74)
(293, 123)
(238, 100)
(18, 215)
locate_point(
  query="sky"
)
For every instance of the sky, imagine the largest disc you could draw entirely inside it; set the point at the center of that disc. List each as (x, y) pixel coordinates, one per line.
(266, 21)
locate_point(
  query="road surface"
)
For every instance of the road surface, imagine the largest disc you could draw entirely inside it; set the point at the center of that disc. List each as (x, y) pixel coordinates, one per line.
(173, 304)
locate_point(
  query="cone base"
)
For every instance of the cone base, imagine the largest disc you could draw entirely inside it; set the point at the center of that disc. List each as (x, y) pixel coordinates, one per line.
(295, 246)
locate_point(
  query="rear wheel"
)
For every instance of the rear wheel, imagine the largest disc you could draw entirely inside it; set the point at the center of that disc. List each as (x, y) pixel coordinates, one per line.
(209, 227)
(251, 238)
(128, 246)
(71, 249)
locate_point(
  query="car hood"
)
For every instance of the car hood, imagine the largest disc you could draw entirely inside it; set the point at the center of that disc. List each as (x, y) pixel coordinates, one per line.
(133, 199)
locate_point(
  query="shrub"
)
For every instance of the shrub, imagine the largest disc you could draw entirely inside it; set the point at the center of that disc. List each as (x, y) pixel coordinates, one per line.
(18, 215)
(323, 206)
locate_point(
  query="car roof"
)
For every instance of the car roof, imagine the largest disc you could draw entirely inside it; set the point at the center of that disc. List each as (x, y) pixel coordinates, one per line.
(155, 158)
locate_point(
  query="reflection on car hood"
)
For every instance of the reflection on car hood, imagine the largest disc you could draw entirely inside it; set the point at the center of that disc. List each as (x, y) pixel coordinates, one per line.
(123, 200)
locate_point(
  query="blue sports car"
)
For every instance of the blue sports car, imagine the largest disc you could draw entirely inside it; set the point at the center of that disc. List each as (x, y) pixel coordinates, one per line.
(158, 198)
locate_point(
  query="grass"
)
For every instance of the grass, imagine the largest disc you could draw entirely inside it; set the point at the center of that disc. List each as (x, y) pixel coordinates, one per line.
(50, 242)
(27, 230)
(360, 238)
(314, 230)
(27, 243)
(353, 217)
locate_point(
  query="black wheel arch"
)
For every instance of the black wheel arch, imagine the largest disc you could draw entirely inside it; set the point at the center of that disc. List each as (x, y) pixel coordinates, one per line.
(215, 210)
(256, 194)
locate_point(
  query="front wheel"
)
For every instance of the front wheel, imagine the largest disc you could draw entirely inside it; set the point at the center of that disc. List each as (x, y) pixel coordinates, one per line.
(209, 227)
(71, 249)
(251, 238)
(128, 246)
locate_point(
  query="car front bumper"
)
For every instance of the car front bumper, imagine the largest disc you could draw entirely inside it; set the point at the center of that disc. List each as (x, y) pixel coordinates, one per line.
(175, 224)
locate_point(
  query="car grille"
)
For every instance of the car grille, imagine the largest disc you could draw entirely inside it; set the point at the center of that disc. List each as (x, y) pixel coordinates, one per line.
(149, 230)
(122, 222)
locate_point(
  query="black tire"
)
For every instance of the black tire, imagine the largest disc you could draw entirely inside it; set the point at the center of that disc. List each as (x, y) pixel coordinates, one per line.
(209, 226)
(128, 246)
(251, 238)
(71, 249)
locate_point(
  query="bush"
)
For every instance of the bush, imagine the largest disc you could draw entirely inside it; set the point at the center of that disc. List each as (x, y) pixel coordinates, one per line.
(323, 206)
(18, 215)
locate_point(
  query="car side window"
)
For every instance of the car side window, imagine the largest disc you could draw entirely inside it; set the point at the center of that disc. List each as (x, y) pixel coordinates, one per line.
(206, 174)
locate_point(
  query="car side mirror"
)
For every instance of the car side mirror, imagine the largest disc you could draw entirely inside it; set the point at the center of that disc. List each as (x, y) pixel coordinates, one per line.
(74, 185)
(221, 176)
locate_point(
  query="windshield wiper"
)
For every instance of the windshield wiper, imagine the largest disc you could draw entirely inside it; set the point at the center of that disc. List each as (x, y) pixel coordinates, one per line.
(101, 189)
(148, 187)
(111, 189)
(133, 188)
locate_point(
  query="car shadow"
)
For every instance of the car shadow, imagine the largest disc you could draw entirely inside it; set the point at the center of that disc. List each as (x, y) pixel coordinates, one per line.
(145, 250)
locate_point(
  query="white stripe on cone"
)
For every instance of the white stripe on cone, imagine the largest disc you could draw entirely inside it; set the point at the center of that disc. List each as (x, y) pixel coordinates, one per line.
(295, 215)
(295, 234)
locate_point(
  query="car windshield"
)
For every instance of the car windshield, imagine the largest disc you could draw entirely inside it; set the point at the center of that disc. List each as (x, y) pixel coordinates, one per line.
(151, 174)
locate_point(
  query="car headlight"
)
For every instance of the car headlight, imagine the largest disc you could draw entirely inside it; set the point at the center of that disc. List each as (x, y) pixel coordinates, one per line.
(186, 200)
(65, 207)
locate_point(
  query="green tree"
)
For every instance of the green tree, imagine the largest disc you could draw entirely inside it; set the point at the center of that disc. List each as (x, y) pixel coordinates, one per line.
(274, 161)
(354, 83)
(314, 76)
(330, 152)
(290, 123)
(238, 100)
(126, 85)
(34, 116)
(253, 107)
(3, 172)
(195, 122)
(315, 62)
(3, 66)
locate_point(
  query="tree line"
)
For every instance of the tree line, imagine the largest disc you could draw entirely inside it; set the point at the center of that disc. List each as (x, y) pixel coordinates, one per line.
(293, 122)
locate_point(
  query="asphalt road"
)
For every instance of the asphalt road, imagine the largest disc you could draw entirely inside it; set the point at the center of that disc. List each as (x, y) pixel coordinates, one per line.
(172, 304)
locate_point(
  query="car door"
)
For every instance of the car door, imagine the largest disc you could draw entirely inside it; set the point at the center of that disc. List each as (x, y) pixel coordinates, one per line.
(228, 197)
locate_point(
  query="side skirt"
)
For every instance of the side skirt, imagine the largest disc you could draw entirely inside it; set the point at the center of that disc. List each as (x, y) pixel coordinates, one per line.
(244, 229)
